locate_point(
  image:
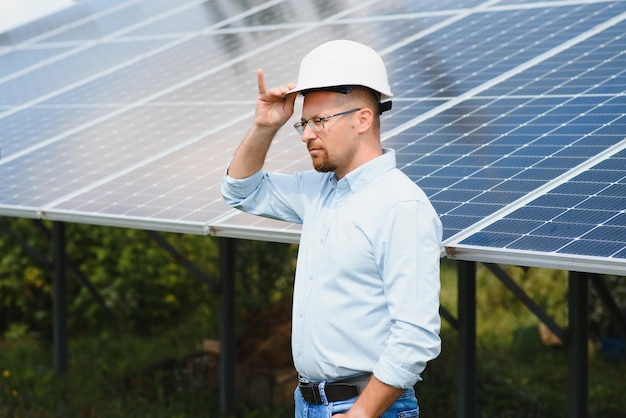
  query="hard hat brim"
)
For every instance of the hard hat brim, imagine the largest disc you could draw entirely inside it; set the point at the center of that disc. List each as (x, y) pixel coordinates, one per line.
(300, 89)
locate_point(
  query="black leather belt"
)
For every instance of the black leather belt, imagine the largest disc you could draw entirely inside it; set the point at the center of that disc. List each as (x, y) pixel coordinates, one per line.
(335, 391)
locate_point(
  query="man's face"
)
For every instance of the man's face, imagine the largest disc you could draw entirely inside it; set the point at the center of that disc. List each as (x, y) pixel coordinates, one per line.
(332, 147)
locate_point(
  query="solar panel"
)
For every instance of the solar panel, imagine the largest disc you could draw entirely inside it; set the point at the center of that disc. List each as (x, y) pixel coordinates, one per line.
(510, 115)
(584, 216)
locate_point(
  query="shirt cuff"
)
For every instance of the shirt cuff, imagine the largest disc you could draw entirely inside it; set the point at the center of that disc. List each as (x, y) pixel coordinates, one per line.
(394, 376)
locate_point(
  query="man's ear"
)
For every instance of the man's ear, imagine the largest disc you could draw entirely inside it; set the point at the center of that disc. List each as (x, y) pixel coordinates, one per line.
(365, 118)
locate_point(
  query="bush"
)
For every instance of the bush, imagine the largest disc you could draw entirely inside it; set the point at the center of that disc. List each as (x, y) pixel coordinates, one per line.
(143, 285)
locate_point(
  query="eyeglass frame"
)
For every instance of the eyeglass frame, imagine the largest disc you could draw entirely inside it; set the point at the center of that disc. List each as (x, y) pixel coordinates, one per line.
(301, 126)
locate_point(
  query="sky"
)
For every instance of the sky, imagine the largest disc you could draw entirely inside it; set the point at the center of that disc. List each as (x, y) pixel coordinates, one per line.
(14, 13)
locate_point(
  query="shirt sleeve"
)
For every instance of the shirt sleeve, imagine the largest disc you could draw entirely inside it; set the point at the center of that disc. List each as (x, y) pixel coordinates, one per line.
(408, 254)
(270, 195)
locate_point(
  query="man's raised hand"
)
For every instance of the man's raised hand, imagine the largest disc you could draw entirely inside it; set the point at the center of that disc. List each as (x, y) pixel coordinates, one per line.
(274, 106)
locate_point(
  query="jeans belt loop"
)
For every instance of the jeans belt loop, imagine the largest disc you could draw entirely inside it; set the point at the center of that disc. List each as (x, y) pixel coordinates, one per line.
(320, 396)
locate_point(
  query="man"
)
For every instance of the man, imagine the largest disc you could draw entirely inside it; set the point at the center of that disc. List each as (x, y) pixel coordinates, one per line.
(366, 294)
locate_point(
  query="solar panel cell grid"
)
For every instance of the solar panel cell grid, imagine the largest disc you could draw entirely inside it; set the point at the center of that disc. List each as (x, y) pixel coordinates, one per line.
(16, 60)
(466, 57)
(175, 62)
(535, 147)
(25, 129)
(587, 211)
(76, 66)
(417, 7)
(181, 18)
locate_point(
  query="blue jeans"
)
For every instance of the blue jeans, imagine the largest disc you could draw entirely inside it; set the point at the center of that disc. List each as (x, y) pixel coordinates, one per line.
(404, 407)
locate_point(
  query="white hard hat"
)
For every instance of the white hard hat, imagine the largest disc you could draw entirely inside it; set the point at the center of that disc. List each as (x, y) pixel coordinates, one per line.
(343, 63)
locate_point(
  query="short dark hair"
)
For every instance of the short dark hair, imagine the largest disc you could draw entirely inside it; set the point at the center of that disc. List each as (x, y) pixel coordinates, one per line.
(370, 98)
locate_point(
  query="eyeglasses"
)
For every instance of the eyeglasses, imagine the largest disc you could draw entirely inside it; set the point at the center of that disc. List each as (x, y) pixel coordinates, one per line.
(317, 124)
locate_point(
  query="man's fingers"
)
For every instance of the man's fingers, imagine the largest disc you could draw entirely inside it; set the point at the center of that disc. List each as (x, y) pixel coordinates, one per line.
(290, 98)
(260, 79)
(263, 91)
(274, 93)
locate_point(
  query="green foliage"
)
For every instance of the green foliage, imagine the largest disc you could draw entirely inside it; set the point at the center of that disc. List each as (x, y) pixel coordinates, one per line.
(547, 288)
(164, 312)
(140, 281)
(95, 386)
(265, 272)
(113, 375)
(145, 286)
(25, 287)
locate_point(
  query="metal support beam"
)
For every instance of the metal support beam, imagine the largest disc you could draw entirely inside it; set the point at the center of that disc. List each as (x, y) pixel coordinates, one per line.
(578, 381)
(59, 306)
(449, 318)
(227, 326)
(519, 293)
(184, 261)
(466, 276)
(33, 253)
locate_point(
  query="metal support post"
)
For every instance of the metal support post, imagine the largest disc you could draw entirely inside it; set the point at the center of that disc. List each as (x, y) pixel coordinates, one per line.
(578, 289)
(59, 306)
(227, 326)
(72, 267)
(466, 276)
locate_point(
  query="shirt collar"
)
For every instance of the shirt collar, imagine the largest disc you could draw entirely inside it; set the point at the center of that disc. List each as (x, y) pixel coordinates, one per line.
(369, 171)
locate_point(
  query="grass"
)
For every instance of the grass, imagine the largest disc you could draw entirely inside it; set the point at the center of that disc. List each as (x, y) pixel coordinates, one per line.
(116, 375)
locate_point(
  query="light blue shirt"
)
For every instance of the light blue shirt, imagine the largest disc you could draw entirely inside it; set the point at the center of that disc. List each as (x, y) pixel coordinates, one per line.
(366, 293)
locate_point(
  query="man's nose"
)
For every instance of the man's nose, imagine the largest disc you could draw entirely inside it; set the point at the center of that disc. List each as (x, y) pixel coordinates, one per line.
(307, 134)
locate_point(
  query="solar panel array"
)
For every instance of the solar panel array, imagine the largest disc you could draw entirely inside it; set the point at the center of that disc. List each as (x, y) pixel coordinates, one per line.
(510, 115)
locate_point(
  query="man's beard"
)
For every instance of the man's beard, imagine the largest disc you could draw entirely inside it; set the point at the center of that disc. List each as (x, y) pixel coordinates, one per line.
(324, 165)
